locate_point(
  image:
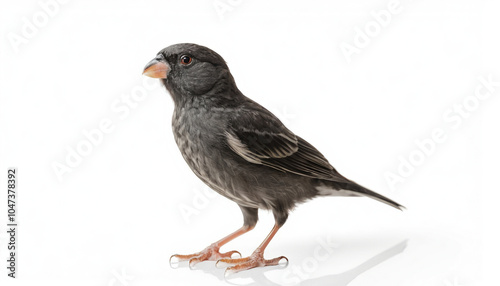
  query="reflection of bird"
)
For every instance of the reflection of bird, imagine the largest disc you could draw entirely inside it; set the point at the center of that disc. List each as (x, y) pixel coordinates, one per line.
(241, 150)
(345, 278)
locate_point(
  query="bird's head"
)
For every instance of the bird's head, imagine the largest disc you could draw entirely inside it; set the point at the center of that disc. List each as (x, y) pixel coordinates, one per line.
(190, 70)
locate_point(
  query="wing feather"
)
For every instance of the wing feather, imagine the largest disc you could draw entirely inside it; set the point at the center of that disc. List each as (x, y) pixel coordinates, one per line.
(266, 141)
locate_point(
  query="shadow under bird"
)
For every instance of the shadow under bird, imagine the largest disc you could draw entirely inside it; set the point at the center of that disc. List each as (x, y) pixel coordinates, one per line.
(241, 150)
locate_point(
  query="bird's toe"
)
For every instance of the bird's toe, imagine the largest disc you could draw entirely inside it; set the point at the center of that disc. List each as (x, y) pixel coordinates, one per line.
(233, 254)
(246, 263)
(195, 260)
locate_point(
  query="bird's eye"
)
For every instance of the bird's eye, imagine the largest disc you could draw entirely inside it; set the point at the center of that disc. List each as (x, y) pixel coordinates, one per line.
(186, 60)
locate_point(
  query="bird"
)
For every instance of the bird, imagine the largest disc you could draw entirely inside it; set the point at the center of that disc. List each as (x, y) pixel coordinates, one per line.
(242, 151)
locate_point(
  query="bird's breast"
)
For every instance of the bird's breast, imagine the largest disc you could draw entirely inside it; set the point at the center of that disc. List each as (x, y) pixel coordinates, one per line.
(201, 141)
(198, 137)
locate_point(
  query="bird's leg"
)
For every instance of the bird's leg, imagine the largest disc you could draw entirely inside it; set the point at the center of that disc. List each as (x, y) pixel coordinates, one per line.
(212, 251)
(254, 260)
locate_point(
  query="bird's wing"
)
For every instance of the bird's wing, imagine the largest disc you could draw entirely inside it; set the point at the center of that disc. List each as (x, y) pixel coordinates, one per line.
(259, 137)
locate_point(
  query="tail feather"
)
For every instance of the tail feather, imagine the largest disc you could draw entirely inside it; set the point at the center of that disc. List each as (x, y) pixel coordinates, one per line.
(376, 196)
(353, 189)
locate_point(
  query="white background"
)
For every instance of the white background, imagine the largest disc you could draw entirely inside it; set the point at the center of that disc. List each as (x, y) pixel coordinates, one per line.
(116, 217)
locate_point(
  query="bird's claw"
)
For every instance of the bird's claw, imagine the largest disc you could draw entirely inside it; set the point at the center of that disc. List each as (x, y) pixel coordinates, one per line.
(211, 253)
(255, 260)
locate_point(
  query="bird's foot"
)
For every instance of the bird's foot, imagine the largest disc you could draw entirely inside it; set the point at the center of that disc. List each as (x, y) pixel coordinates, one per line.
(211, 253)
(254, 260)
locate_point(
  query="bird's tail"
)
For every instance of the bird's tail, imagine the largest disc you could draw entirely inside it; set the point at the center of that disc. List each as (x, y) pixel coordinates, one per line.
(351, 188)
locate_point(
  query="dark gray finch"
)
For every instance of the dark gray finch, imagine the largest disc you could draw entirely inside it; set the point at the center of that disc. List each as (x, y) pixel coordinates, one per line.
(241, 150)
